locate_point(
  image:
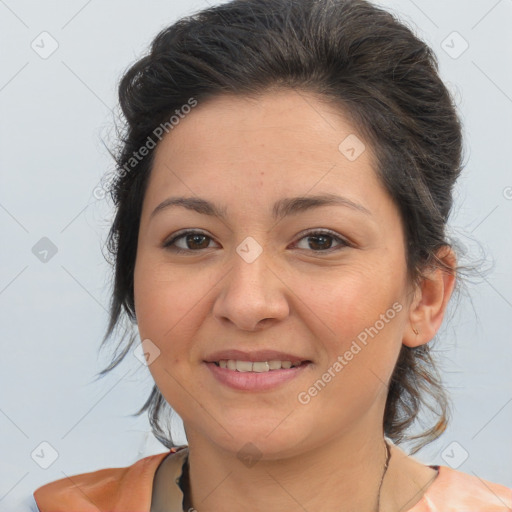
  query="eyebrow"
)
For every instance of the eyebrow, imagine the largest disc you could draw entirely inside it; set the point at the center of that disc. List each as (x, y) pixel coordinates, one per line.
(282, 208)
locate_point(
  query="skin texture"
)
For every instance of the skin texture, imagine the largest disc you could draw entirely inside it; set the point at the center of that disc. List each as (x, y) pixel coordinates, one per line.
(303, 296)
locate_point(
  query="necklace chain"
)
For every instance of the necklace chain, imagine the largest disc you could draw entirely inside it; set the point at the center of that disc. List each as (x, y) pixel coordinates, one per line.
(388, 456)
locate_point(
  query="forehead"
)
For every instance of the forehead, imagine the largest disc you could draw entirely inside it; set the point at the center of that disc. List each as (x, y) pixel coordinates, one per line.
(252, 150)
(288, 123)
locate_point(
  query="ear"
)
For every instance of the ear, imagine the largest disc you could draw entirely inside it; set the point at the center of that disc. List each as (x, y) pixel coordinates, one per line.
(431, 297)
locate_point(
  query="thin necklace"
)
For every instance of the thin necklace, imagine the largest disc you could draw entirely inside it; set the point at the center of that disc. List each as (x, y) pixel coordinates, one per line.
(388, 456)
(386, 465)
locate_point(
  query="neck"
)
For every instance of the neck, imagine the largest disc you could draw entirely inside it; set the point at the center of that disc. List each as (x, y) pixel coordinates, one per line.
(342, 474)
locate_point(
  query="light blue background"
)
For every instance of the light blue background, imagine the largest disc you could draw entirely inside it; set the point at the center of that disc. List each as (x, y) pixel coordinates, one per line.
(54, 114)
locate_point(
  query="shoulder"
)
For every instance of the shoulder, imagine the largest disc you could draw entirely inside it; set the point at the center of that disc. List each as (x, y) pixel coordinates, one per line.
(455, 491)
(106, 489)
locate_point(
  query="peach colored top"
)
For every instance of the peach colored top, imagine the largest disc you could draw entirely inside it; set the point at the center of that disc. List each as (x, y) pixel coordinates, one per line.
(129, 489)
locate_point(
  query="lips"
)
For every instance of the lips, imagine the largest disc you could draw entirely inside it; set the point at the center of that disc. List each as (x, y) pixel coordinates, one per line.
(256, 371)
(255, 356)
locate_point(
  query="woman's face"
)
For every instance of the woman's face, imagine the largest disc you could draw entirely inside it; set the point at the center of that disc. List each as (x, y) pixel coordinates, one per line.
(313, 281)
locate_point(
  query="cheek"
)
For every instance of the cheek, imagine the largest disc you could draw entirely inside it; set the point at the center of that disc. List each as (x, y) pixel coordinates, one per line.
(363, 310)
(170, 305)
(161, 300)
(361, 347)
(165, 314)
(352, 299)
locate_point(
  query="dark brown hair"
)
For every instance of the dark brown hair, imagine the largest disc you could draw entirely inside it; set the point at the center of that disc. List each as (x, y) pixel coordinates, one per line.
(348, 52)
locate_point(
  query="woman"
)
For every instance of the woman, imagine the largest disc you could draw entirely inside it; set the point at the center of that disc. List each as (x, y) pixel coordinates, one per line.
(284, 186)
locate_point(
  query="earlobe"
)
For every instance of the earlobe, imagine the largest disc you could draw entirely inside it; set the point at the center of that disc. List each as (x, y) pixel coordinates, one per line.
(431, 299)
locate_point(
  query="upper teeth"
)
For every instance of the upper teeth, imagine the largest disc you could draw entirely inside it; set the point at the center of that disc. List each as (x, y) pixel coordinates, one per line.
(259, 366)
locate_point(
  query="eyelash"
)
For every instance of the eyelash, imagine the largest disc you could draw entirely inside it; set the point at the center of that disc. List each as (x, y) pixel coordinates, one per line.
(310, 234)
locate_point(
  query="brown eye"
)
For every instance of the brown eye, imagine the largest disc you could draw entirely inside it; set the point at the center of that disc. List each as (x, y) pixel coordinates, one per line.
(191, 241)
(196, 241)
(322, 241)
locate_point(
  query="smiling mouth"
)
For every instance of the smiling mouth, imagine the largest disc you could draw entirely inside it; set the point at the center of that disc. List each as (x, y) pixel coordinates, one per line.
(258, 366)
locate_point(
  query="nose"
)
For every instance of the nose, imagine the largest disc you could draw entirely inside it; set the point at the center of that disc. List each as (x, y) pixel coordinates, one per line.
(252, 295)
